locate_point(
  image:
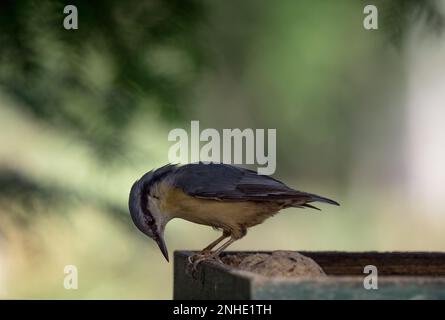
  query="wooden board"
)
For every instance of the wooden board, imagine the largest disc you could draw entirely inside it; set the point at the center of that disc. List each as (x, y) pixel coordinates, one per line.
(402, 275)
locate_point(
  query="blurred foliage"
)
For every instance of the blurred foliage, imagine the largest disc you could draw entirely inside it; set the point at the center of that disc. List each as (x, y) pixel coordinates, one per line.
(90, 81)
(400, 15)
(30, 196)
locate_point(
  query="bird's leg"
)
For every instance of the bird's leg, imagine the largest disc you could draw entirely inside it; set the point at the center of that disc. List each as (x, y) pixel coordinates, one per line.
(216, 242)
(233, 237)
(211, 255)
(207, 250)
(218, 251)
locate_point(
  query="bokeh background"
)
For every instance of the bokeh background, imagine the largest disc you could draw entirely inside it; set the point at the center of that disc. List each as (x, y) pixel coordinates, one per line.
(84, 113)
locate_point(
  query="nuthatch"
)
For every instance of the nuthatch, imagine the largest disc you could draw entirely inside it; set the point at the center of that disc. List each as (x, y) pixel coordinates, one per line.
(222, 196)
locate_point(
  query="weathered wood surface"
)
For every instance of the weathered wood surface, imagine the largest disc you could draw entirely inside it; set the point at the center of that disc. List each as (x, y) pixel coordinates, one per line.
(402, 275)
(388, 263)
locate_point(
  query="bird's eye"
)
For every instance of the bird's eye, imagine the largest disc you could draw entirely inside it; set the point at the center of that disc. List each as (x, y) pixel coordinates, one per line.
(155, 196)
(150, 222)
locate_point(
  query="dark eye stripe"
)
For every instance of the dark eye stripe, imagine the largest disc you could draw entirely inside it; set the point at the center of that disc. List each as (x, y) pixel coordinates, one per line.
(149, 221)
(151, 224)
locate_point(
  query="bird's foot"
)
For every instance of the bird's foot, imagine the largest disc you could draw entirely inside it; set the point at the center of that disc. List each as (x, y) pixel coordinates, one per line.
(196, 259)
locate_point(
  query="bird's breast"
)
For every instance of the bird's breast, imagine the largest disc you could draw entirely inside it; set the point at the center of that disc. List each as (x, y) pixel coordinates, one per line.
(227, 215)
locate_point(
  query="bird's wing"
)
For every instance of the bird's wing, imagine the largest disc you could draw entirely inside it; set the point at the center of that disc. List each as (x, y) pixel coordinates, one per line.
(226, 182)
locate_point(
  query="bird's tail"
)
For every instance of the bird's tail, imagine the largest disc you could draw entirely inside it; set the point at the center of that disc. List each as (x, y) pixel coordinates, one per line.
(314, 197)
(309, 198)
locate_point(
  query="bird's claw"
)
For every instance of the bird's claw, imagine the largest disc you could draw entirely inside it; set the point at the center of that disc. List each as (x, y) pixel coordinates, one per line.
(196, 259)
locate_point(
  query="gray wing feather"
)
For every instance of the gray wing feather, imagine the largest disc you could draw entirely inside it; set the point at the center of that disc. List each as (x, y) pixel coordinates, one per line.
(226, 182)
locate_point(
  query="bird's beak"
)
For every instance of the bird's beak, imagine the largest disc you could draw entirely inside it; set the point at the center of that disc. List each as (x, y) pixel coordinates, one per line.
(162, 246)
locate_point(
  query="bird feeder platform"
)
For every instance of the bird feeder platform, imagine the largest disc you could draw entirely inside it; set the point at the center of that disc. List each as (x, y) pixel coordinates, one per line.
(400, 275)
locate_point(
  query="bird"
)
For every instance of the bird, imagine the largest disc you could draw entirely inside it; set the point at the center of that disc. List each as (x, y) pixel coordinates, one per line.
(226, 197)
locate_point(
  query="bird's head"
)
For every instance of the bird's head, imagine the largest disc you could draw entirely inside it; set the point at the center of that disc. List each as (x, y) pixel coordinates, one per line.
(145, 212)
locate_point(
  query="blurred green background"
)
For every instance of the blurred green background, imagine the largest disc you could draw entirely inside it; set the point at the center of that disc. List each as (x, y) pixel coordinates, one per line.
(84, 113)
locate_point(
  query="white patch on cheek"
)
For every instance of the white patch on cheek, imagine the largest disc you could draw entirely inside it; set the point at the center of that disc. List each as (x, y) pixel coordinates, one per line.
(160, 217)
